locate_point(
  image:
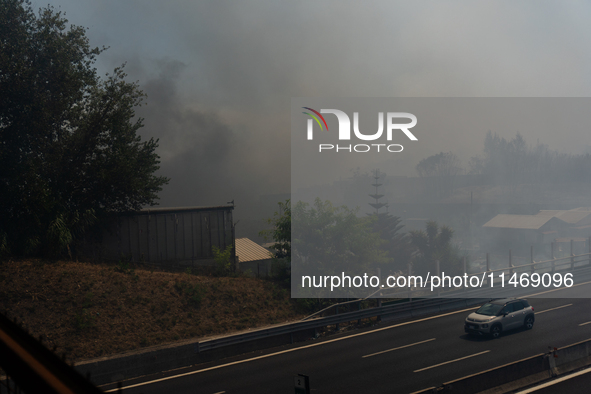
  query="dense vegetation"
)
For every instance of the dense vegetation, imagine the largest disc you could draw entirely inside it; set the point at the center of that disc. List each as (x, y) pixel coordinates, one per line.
(70, 152)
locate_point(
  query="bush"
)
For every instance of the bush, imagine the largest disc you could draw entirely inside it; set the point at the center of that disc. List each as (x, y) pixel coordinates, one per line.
(223, 260)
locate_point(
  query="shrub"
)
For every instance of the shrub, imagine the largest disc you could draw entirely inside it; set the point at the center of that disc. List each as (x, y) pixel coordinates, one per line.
(223, 260)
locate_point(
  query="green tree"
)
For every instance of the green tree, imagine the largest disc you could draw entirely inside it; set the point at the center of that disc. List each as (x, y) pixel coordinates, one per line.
(442, 164)
(331, 236)
(434, 244)
(331, 239)
(396, 242)
(281, 235)
(69, 148)
(281, 231)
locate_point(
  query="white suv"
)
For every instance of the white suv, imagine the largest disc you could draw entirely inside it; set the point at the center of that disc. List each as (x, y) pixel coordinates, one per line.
(497, 316)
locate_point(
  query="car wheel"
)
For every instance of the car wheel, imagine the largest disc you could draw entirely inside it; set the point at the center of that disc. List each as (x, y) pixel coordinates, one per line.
(529, 323)
(495, 332)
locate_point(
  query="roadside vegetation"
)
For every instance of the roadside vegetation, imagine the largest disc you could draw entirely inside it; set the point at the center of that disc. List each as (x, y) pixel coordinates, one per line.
(90, 310)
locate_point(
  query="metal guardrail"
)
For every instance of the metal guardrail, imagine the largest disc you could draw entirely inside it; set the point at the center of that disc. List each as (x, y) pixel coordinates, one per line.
(423, 305)
(33, 368)
(336, 306)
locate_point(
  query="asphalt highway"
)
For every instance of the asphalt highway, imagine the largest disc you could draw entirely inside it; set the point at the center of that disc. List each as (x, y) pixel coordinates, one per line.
(402, 357)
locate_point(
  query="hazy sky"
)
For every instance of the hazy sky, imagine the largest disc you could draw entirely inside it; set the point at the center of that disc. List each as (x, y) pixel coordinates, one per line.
(220, 74)
(444, 124)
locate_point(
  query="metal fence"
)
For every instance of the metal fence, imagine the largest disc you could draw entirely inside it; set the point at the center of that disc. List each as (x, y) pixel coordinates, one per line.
(511, 266)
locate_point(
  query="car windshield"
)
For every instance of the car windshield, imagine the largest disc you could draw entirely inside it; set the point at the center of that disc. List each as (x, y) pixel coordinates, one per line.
(489, 309)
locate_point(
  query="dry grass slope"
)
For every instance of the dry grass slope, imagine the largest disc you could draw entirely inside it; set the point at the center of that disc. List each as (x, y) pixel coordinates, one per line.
(90, 310)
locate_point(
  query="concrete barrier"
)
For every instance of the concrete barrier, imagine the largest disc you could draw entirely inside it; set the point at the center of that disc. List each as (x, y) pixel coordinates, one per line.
(509, 376)
(521, 373)
(571, 357)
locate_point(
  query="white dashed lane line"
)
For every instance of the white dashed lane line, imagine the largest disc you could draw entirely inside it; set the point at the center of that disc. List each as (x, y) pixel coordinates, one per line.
(451, 361)
(399, 347)
(552, 309)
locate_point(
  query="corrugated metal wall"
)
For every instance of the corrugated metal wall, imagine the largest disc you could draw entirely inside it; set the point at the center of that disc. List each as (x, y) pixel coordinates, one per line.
(167, 235)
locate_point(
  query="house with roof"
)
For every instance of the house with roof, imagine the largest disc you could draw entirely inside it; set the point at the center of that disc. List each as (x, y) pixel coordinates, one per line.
(578, 219)
(513, 231)
(253, 257)
(546, 226)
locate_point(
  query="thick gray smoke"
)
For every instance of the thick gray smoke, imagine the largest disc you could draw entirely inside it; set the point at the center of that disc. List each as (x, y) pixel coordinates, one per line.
(220, 75)
(210, 160)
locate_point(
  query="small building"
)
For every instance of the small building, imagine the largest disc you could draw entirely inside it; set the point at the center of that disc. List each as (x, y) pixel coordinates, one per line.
(253, 257)
(521, 230)
(183, 235)
(578, 219)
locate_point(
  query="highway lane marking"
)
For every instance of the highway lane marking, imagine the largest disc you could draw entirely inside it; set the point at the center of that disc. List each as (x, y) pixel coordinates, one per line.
(552, 309)
(574, 375)
(424, 390)
(452, 361)
(560, 288)
(493, 369)
(584, 324)
(399, 347)
(288, 350)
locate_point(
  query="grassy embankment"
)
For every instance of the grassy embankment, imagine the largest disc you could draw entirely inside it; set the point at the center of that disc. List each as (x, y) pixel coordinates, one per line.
(90, 310)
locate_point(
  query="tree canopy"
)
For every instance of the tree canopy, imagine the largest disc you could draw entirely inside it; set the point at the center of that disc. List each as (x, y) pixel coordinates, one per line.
(435, 244)
(335, 239)
(281, 231)
(514, 161)
(396, 242)
(281, 235)
(69, 145)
